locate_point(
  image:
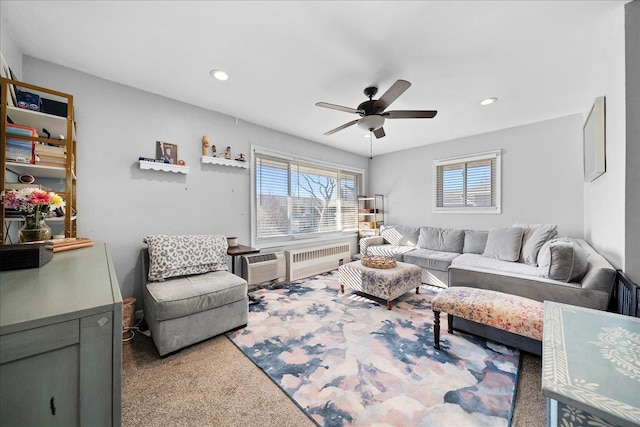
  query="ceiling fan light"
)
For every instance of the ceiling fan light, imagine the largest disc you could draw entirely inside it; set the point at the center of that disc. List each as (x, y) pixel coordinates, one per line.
(371, 122)
(488, 101)
(219, 75)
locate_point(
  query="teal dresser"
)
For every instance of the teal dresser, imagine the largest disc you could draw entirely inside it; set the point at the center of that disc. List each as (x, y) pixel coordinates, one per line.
(61, 342)
(590, 367)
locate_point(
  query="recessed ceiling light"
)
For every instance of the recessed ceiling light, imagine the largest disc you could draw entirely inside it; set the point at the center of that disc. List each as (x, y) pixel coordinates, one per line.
(219, 74)
(488, 101)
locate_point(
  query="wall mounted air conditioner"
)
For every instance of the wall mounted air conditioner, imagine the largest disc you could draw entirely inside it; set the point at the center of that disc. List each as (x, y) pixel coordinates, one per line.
(265, 267)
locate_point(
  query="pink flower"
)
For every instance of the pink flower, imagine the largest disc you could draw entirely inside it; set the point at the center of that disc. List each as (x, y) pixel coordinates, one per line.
(40, 198)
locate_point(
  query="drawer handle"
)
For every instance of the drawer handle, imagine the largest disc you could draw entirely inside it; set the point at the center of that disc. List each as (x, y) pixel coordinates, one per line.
(52, 405)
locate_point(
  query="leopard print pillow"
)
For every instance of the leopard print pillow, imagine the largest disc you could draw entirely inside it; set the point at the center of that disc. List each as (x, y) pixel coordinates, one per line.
(182, 255)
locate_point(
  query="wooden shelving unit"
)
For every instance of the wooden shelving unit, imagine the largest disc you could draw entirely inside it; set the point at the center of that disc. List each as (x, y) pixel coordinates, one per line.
(61, 179)
(370, 215)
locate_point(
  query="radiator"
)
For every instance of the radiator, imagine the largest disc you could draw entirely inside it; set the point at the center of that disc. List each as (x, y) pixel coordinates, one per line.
(261, 268)
(307, 262)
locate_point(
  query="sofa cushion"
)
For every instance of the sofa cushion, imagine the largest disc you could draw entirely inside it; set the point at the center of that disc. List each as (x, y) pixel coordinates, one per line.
(480, 262)
(426, 258)
(400, 235)
(390, 250)
(441, 239)
(563, 259)
(504, 243)
(184, 296)
(534, 236)
(181, 255)
(475, 241)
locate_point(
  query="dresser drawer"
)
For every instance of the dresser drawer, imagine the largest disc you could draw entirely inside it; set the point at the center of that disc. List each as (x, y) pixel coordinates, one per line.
(39, 340)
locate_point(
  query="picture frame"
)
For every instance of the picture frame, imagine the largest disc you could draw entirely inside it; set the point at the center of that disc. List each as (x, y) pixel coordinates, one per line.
(594, 148)
(167, 151)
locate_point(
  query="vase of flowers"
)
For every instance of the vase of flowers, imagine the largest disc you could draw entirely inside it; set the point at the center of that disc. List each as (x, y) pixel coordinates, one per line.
(34, 204)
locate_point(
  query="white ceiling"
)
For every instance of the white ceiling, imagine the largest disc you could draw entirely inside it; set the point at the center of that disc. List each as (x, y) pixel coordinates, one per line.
(285, 56)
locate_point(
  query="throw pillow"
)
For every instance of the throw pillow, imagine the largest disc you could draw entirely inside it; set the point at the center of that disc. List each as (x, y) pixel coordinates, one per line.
(475, 241)
(441, 239)
(182, 255)
(535, 235)
(400, 235)
(563, 259)
(504, 243)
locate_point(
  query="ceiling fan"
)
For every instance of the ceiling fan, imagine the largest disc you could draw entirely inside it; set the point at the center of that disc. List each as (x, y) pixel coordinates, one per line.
(372, 112)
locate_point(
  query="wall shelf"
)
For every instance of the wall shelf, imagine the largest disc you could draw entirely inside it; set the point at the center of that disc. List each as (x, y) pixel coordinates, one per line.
(224, 162)
(165, 167)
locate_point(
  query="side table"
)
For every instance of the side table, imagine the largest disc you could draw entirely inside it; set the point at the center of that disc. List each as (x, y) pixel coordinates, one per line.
(236, 251)
(590, 367)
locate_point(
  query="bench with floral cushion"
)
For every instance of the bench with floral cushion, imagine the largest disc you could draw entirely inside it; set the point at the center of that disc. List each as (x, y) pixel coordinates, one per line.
(509, 319)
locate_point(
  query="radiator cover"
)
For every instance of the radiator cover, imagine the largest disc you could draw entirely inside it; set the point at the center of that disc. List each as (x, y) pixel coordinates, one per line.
(307, 262)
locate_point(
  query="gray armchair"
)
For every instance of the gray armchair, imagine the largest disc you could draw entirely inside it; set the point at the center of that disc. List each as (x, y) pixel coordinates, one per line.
(188, 294)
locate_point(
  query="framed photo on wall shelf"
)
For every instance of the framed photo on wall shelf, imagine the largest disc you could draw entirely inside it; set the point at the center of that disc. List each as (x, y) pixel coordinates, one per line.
(167, 151)
(593, 133)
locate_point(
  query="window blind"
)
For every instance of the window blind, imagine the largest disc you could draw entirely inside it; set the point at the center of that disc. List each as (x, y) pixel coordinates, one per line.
(467, 183)
(294, 197)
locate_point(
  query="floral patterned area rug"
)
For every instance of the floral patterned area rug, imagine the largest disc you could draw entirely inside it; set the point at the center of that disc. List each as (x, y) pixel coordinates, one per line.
(348, 361)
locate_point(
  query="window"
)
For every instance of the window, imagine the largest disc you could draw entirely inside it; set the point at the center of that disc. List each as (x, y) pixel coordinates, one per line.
(301, 198)
(468, 184)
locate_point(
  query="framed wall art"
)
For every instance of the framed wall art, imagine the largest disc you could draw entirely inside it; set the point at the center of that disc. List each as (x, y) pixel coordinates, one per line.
(167, 152)
(593, 133)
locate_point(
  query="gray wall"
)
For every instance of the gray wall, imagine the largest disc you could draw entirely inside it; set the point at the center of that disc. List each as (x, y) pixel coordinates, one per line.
(9, 49)
(604, 198)
(541, 178)
(119, 204)
(632, 214)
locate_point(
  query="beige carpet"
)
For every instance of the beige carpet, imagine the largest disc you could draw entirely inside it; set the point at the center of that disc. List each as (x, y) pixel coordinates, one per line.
(214, 384)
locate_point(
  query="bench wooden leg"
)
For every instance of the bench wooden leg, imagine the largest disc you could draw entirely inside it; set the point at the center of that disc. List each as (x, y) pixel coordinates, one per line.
(388, 304)
(450, 323)
(342, 289)
(436, 329)
(417, 290)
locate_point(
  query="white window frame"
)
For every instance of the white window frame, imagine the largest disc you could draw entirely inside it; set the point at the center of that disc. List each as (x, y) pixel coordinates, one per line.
(497, 155)
(293, 240)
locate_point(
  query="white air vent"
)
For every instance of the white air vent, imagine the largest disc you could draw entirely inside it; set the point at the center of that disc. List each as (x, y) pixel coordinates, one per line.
(311, 261)
(261, 268)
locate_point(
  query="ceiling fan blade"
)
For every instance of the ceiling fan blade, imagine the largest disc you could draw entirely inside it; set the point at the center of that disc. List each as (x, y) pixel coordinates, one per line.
(344, 126)
(379, 133)
(410, 114)
(392, 94)
(339, 108)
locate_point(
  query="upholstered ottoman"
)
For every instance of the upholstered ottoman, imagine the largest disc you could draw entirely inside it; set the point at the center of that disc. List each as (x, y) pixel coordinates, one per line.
(515, 315)
(385, 283)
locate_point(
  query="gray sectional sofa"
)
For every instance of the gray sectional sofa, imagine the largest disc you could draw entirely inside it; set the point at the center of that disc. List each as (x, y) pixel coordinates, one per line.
(528, 260)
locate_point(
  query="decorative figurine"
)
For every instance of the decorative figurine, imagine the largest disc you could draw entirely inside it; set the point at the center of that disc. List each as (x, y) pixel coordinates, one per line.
(205, 145)
(241, 158)
(226, 154)
(213, 151)
(181, 162)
